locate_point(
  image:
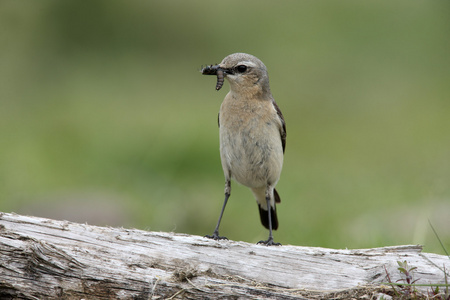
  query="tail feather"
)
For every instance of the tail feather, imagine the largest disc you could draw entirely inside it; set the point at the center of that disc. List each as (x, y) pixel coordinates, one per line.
(276, 196)
(264, 214)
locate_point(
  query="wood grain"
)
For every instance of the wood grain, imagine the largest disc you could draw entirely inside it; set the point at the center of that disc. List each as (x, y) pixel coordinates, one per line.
(49, 259)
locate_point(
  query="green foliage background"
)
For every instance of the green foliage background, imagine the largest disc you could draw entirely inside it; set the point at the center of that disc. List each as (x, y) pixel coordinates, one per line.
(105, 119)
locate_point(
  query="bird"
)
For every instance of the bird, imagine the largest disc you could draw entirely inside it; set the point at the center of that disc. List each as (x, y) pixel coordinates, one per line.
(252, 133)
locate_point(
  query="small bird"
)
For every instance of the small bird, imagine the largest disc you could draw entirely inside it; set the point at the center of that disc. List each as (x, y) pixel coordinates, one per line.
(252, 135)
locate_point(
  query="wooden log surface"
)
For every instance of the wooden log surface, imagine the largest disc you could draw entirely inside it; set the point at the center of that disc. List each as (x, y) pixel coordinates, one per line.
(48, 259)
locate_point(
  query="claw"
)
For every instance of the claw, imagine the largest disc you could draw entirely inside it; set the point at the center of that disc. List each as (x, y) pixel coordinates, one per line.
(269, 242)
(215, 236)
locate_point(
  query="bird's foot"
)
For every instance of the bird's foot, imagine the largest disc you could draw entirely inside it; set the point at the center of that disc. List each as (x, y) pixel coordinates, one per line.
(269, 242)
(215, 236)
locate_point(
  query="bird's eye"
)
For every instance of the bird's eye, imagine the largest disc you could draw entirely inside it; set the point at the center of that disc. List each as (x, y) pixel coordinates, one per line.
(241, 68)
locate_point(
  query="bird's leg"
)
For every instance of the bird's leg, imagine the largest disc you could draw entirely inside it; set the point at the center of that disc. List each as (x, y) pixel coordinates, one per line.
(269, 241)
(215, 234)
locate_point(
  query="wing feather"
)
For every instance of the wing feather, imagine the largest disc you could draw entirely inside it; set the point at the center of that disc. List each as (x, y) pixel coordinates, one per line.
(283, 125)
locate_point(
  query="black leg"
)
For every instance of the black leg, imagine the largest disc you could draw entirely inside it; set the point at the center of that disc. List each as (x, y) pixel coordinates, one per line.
(215, 235)
(269, 241)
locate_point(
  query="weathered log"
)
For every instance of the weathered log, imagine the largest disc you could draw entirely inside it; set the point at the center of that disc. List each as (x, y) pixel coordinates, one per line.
(49, 259)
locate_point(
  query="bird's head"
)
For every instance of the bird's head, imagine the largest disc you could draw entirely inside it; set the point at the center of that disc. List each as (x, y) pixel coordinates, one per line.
(245, 73)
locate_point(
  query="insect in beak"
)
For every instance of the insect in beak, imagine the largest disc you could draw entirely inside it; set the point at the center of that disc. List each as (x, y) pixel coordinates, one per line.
(215, 70)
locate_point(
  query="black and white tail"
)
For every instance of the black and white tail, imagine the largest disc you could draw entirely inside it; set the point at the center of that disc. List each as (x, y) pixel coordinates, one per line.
(273, 213)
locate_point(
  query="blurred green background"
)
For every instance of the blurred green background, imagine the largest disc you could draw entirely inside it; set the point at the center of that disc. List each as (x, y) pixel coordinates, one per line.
(105, 118)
